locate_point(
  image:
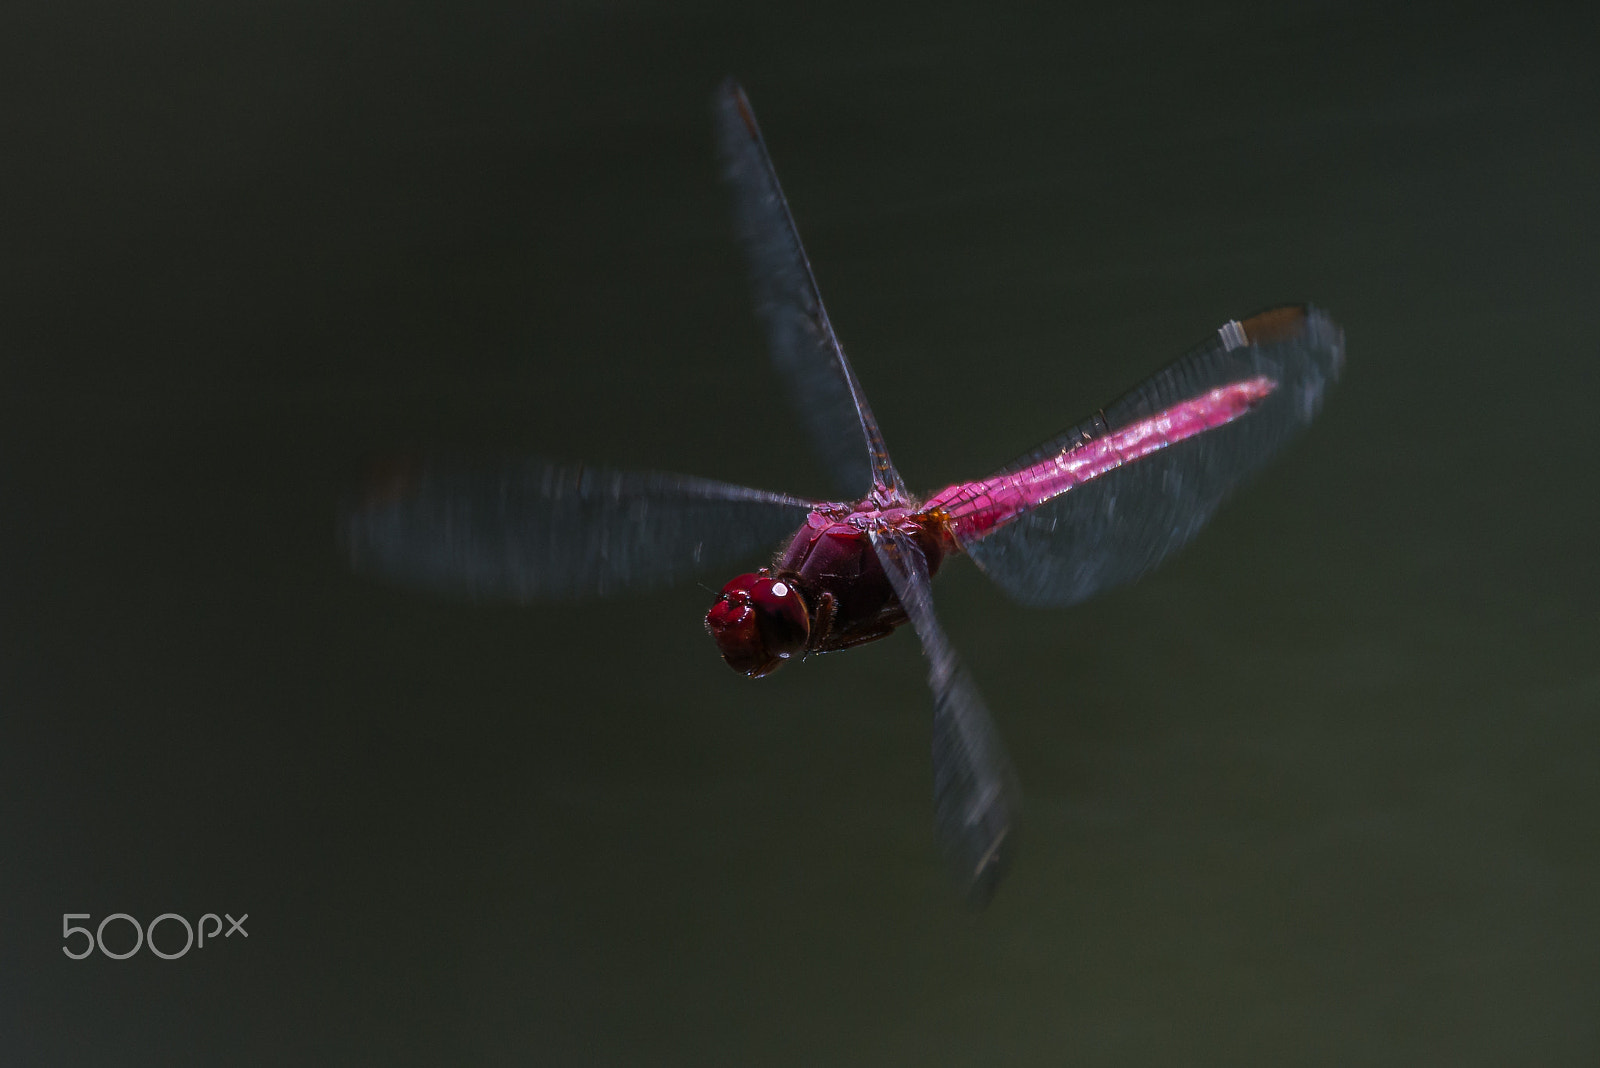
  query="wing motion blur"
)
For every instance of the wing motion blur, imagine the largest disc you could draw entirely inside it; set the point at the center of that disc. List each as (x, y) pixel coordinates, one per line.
(808, 356)
(526, 529)
(1117, 525)
(976, 801)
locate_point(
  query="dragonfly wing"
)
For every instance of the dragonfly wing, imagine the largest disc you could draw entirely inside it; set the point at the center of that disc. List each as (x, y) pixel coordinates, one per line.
(527, 529)
(1147, 499)
(976, 801)
(808, 356)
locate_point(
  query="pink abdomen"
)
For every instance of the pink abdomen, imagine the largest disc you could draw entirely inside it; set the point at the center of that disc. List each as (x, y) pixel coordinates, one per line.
(978, 508)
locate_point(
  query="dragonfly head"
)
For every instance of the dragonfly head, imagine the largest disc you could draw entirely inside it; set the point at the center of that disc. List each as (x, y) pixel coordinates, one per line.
(759, 622)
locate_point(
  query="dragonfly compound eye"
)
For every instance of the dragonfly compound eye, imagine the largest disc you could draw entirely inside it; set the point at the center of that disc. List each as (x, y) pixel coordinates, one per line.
(758, 623)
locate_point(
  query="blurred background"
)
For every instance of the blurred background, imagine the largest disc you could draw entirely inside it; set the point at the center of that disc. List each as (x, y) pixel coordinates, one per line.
(1322, 790)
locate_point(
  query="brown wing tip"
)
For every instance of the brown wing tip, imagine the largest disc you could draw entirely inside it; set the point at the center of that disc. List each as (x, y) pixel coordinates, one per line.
(1278, 324)
(742, 102)
(392, 480)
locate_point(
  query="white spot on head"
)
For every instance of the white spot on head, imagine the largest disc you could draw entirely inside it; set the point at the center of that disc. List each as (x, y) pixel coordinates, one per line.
(779, 589)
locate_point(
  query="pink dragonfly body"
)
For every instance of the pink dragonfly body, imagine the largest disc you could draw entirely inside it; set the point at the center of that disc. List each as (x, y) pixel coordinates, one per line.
(1093, 508)
(828, 591)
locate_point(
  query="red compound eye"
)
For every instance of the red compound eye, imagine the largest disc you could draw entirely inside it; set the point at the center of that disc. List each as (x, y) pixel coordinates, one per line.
(758, 623)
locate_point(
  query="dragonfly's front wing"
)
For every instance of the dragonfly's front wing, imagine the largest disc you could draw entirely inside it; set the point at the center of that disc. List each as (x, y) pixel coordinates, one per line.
(527, 529)
(976, 801)
(808, 356)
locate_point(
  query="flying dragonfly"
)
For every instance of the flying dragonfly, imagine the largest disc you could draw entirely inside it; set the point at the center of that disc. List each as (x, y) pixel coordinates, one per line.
(1094, 507)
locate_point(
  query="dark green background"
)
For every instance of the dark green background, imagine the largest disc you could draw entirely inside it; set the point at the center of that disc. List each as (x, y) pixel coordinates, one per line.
(1323, 790)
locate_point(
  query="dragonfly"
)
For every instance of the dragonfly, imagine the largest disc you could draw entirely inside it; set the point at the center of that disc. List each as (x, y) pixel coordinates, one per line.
(1091, 509)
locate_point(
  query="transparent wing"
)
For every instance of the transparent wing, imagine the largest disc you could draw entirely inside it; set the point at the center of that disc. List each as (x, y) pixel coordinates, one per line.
(976, 801)
(527, 529)
(1120, 523)
(821, 383)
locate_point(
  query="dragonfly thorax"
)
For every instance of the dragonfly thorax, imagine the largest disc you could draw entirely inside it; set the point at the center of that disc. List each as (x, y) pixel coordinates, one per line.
(759, 621)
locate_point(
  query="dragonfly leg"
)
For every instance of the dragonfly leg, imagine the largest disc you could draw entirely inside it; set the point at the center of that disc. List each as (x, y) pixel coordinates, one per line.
(850, 641)
(880, 627)
(822, 625)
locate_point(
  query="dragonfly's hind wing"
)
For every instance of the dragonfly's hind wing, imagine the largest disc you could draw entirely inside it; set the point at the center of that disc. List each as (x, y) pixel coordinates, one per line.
(527, 529)
(821, 383)
(976, 800)
(1108, 500)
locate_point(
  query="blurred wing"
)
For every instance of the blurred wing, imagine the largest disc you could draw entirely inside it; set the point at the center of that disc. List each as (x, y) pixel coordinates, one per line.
(1108, 500)
(526, 529)
(976, 801)
(821, 383)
